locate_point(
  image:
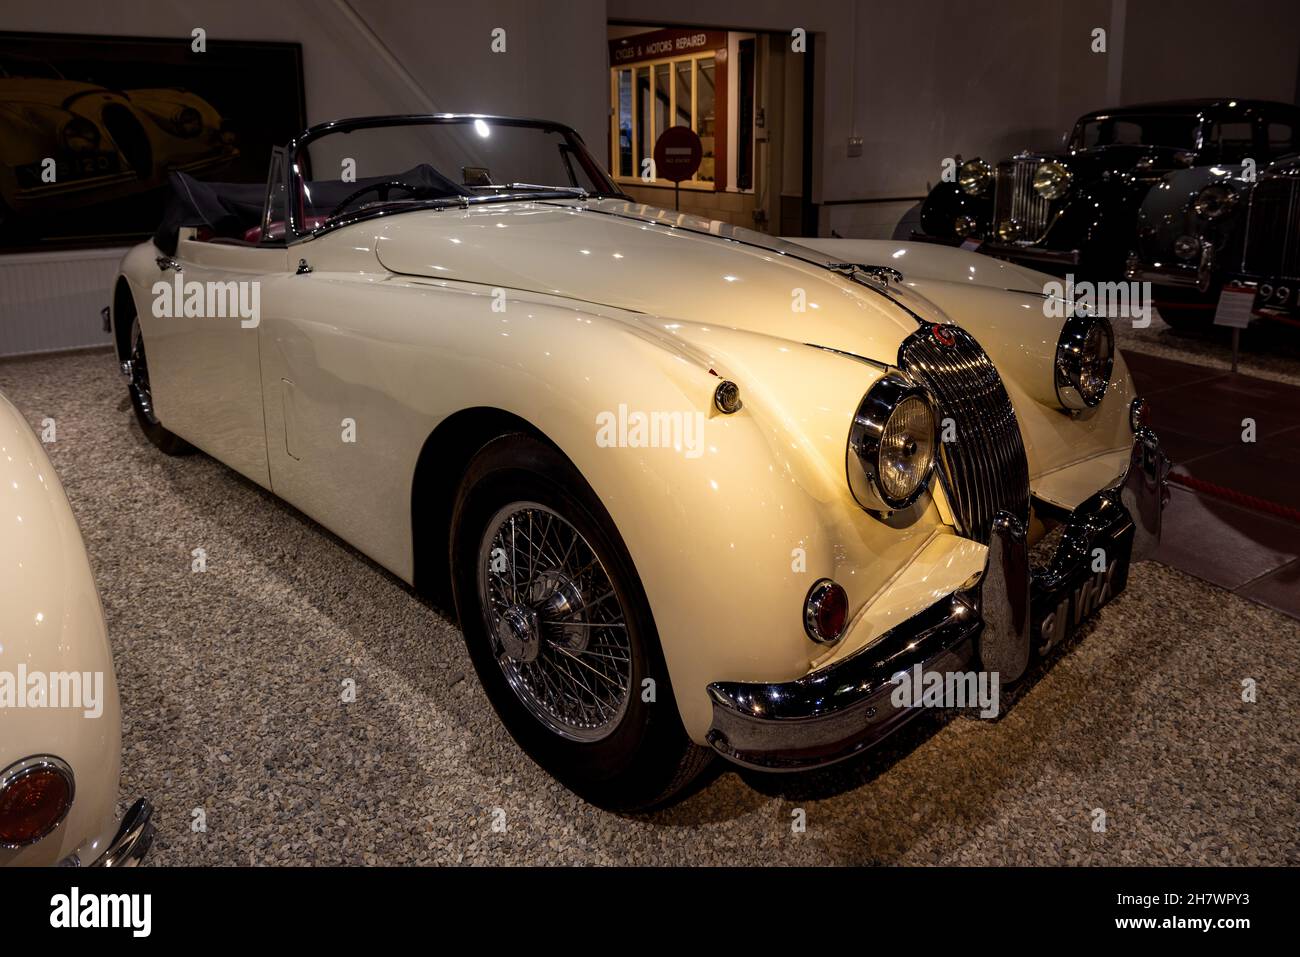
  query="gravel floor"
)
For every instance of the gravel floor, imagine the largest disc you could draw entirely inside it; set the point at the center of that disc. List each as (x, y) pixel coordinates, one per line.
(231, 686)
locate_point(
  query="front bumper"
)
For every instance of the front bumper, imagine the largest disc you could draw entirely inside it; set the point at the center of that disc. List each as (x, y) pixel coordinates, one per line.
(1197, 275)
(842, 709)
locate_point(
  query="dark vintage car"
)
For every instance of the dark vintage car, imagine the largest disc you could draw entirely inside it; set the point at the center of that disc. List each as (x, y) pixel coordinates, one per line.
(1232, 223)
(1075, 209)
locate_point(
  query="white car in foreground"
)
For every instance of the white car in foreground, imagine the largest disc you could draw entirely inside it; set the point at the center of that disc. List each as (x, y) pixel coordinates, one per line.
(60, 723)
(692, 489)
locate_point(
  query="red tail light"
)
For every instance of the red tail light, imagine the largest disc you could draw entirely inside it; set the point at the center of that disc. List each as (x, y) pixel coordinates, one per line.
(35, 794)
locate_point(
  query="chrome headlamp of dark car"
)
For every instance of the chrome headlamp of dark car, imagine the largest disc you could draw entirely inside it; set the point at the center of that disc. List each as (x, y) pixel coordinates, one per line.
(891, 446)
(1085, 356)
(974, 177)
(1214, 200)
(1052, 180)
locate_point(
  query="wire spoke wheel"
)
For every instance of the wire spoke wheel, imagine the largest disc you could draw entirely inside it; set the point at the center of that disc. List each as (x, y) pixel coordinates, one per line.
(140, 388)
(557, 627)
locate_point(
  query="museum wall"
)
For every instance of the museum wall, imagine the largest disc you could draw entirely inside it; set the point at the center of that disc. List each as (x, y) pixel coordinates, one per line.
(360, 57)
(889, 71)
(1022, 73)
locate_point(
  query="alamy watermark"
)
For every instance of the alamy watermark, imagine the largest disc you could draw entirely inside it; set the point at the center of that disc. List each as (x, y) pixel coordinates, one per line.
(919, 688)
(179, 299)
(79, 690)
(1111, 300)
(623, 429)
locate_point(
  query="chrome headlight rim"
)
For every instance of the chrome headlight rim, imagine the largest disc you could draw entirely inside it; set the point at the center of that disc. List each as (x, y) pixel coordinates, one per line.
(862, 454)
(1214, 200)
(974, 177)
(1052, 180)
(1071, 353)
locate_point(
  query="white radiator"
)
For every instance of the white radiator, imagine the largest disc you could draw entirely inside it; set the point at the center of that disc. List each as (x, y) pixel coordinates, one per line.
(51, 300)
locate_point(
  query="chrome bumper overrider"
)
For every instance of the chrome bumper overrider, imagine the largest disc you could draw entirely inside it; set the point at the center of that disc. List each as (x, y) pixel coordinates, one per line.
(844, 708)
(130, 842)
(133, 839)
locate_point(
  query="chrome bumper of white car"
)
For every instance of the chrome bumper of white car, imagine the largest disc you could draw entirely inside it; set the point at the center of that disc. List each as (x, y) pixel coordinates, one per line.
(842, 709)
(130, 843)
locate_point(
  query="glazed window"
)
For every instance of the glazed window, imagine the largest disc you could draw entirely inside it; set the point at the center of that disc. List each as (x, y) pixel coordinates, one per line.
(650, 97)
(1281, 138)
(1155, 130)
(1233, 142)
(273, 211)
(391, 166)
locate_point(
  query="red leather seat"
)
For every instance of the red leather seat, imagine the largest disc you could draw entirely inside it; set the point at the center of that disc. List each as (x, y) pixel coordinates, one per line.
(254, 233)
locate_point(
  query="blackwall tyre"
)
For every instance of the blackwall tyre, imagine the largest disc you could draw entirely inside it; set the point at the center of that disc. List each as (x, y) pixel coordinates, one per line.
(560, 632)
(165, 440)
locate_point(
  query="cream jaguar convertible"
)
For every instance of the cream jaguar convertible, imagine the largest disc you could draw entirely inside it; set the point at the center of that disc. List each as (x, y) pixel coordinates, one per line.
(690, 489)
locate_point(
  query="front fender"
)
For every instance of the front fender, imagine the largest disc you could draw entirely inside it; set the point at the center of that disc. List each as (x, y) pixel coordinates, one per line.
(946, 202)
(51, 622)
(728, 532)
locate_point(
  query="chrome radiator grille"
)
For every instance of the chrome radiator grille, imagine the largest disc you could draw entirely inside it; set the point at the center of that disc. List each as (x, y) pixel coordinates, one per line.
(1015, 198)
(984, 469)
(1273, 229)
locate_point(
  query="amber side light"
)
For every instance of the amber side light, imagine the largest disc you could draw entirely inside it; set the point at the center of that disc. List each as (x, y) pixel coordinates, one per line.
(34, 798)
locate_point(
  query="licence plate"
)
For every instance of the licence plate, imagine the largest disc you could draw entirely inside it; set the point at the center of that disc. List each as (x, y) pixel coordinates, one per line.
(1057, 612)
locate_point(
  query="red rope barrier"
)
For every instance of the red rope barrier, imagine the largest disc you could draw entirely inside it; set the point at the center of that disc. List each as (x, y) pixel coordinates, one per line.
(1239, 498)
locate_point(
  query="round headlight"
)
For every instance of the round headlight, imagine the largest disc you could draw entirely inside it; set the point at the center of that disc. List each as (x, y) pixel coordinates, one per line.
(187, 122)
(1187, 247)
(964, 226)
(1051, 180)
(891, 445)
(1085, 355)
(1008, 230)
(81, 135)
(974, 177)
(1214, 200)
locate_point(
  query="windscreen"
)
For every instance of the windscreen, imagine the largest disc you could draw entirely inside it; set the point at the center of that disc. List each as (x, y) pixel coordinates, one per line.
(345, 173)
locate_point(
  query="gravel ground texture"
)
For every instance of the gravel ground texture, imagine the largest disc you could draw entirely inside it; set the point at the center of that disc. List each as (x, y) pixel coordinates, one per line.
(231, 690)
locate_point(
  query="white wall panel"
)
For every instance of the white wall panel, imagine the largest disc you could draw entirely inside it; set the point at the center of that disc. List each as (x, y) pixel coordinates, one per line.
(52, 300)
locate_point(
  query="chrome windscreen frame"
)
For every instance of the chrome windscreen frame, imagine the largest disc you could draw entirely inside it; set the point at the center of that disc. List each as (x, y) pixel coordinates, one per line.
(295, 174)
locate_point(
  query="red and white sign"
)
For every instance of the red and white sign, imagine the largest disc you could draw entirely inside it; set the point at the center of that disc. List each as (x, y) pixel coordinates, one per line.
(678, 152)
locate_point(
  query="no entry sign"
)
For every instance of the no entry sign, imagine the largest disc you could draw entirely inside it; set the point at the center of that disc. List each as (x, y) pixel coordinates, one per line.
(678, 152)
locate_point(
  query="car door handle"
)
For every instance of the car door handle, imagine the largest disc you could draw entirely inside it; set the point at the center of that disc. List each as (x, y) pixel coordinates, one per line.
(166, 262)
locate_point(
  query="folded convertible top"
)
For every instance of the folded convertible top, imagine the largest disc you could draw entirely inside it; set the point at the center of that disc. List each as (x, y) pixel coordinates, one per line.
(228, 209)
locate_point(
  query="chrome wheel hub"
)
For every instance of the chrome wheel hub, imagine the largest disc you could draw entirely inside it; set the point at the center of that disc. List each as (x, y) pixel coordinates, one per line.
(557, 624)
(518, 634)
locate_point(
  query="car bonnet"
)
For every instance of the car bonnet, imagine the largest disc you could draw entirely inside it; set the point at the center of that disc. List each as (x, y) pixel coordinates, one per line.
(664, 264)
